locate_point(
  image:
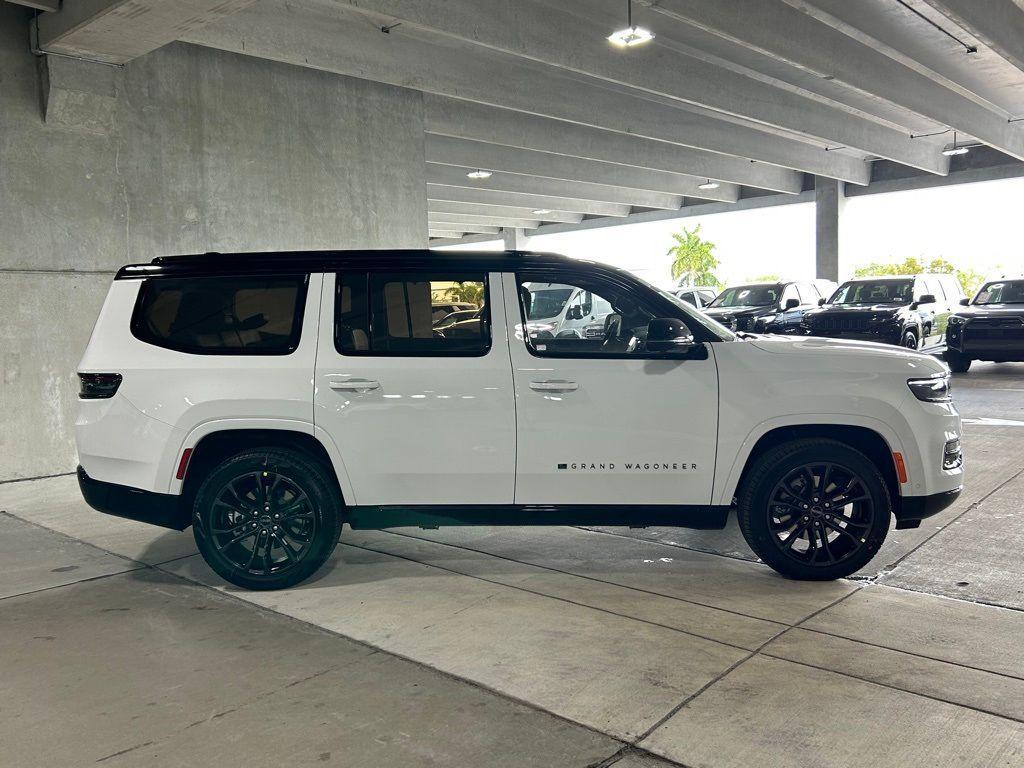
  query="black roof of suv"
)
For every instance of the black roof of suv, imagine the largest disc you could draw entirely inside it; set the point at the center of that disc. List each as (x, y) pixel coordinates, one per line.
(262, 262)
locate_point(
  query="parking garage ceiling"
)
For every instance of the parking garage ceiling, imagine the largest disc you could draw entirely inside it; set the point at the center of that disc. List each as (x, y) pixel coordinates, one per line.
(729, 99)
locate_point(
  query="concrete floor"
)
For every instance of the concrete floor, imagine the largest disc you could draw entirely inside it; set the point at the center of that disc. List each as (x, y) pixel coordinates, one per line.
(532, 647)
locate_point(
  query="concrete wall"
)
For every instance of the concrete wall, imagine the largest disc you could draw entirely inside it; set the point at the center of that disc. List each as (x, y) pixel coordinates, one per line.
(184, 150)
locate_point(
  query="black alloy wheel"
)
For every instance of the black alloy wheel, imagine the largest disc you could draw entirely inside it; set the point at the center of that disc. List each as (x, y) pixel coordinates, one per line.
(267, 519)
(910, 340)
(820, 513)
(814, 509)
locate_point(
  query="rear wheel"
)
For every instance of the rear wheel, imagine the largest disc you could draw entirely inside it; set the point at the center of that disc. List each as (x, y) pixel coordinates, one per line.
(814, 509)
(958, 363)
(267, 519)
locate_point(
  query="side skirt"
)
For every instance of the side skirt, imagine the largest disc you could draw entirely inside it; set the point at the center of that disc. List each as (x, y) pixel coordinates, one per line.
(634, 516)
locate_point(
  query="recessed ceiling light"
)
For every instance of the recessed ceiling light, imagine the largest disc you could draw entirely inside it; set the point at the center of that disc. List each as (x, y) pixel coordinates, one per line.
(631, 35)
(541, 211)
(955, 149)
(709, 184)
(478, 174)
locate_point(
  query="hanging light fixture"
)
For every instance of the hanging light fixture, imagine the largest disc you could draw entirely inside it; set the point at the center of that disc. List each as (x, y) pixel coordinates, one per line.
(478, 174)
(631, 35)
(541, 211)
(709, 184)
(955, 149)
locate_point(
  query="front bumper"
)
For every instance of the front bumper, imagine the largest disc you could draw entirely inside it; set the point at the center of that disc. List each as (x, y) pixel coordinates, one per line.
(883, 334)
(911, 510)
(162, 509)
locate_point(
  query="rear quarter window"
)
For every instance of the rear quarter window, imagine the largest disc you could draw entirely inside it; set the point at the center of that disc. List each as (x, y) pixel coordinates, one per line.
(222, 315)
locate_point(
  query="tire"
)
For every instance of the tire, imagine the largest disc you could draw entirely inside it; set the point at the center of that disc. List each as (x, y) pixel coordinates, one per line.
(909, 340)
(958, 363)
(246, 545)
(789, 485)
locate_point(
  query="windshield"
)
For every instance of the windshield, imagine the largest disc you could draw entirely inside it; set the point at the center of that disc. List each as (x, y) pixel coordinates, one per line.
(1002, 292)
(874, 292)
(748, 296)
(547, 302)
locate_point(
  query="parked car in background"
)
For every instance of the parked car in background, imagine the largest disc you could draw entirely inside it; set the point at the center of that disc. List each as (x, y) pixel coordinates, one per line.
(439, 311)
(456, 317)
(565, 311)
(908, 310)
(695, 297)
(988, 327)
(765, 307)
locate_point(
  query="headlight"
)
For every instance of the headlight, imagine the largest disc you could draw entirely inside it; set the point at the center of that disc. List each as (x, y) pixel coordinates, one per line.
(957, 320)
(931, 390)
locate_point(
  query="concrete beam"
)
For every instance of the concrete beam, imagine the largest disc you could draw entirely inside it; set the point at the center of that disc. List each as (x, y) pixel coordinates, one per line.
(448, 235)
(515, 239)
(527, 201)
(506, 211)
(476, 229)
(445, 150)
(479, 122)
(788, 33)
(571, 37)
(464, 222)
(117, 31)
(453, 176)
(339, 39)
(39, 5)
(999, 24)
(466, 239)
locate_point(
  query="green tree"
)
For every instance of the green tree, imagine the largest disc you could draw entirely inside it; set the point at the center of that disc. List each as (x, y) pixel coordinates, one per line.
(470, 293)
(912, 265)
(764, 279)
(693, 258)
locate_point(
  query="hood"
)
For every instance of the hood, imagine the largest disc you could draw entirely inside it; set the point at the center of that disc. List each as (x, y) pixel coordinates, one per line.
(859, 309)
(741, 311)
(991, 310)
(882, 356)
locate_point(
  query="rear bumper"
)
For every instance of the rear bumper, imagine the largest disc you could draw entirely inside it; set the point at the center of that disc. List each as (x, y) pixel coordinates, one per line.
(911, 510)
(160, 509)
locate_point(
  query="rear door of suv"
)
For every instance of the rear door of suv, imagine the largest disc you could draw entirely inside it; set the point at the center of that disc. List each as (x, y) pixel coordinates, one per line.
(419, 415)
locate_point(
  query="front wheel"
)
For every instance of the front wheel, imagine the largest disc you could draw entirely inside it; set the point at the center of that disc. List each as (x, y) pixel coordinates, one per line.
(958, 363)
(909, 340)
(267, 518)
(814, 509)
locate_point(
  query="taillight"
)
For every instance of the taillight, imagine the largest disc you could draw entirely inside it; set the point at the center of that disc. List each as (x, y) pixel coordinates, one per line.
(97, 386)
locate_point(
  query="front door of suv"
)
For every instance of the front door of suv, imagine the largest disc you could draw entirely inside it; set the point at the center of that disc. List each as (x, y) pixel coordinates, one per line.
(600, 420)
(420, 415)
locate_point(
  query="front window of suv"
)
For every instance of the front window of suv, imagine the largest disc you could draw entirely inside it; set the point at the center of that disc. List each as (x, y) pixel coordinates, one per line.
(748, 296)
(1001, 292)
(874, 292)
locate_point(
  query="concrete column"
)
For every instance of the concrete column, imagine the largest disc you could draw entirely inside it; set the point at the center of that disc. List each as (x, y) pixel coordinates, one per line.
(515, 239)
(829, 200)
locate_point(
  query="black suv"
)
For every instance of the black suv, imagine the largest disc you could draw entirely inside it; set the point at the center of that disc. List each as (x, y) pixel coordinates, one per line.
(990, 328)
(764, 307)
(908, 310)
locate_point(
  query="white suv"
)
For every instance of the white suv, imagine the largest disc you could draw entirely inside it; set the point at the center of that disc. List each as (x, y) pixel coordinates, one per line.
(266, 399)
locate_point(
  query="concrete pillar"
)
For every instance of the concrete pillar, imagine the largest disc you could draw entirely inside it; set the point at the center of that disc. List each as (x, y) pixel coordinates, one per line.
(829, 200)
(515, 239)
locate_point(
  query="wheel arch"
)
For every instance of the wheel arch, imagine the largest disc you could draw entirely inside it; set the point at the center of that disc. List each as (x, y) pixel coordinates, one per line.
(869, 440)
(215, 445)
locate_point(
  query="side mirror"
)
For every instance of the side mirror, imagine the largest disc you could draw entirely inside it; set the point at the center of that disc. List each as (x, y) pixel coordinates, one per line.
(928, 298)
(965, 302)
(822, 302)
(574, 313)
(252, 322)
(666, 334)
(792, 303)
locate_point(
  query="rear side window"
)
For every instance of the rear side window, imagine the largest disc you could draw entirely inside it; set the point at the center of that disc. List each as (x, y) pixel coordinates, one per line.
(395, 314)
(222, 315)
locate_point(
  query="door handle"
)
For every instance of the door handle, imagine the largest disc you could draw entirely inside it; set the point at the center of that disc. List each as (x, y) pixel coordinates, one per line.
(354, 385)
(554, 385)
